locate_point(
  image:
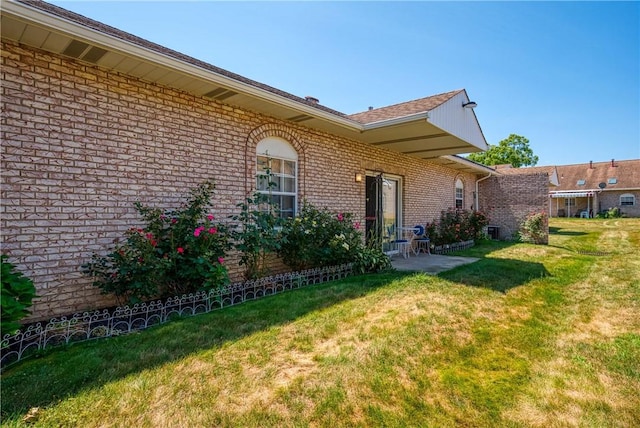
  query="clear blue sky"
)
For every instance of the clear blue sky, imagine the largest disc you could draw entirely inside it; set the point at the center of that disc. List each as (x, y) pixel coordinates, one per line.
(565, 75)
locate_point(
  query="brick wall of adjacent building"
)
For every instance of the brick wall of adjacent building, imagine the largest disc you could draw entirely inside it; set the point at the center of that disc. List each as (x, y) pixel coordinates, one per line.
(508, 199)
(81, 144)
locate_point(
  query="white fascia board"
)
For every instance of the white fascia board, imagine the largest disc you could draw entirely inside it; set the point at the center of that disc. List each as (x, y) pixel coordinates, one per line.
(396, 121)
(75, 30)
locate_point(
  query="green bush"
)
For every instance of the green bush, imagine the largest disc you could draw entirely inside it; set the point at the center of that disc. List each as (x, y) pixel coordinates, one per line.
(178, 251)
(371, 259)
(534, 228)
(17, 294)
(456, 225)
(258, 234)
(318, 238)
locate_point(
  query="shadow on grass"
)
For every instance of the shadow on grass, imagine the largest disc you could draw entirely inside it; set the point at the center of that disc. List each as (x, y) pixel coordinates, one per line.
(483, 248)
(497, 274)
(62, 372)
(560, 231)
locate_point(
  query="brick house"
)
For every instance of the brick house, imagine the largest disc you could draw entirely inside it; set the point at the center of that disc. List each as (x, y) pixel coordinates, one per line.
(583, 190)
(95, 119)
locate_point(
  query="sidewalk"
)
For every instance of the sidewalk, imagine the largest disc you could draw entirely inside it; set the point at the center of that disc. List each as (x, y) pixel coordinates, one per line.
(431, 264)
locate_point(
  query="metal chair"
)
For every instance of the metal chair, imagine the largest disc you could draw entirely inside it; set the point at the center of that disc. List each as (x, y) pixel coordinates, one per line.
(423, 243)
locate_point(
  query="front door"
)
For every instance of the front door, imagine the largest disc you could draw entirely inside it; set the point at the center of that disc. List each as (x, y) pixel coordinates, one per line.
(383, 209)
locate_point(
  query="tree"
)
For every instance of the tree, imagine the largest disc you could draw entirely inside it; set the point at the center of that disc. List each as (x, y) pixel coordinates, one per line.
(513, 150)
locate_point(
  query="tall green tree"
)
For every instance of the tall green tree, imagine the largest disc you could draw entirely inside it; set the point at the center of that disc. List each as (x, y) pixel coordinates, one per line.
(512, 150)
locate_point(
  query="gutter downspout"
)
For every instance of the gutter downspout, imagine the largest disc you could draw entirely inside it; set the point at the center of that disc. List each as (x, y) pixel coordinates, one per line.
(477, 191)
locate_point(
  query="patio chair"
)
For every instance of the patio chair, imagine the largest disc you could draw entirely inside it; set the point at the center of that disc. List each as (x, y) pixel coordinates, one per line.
(423, 243)
(402, 239)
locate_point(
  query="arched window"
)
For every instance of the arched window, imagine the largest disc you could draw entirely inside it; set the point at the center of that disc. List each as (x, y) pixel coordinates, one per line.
(459, 194)
(627, 199)
(277, 174)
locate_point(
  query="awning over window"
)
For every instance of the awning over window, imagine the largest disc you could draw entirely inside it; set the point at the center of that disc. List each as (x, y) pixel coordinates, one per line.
(572, 195)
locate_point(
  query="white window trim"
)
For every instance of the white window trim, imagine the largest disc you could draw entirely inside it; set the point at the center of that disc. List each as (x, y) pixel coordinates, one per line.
(459, 186)
(277, 148)
(628, 195)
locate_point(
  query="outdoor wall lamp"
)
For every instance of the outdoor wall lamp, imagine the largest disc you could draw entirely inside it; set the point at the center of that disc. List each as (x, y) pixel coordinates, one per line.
(358, 178)
(470, 104)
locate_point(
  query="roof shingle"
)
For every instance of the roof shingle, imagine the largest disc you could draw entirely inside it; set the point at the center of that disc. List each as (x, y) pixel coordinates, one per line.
(403, 109)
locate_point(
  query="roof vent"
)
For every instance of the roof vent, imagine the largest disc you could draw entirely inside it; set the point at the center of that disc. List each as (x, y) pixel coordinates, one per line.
(312, 99)
(370, 108)
(613, 164)
(220, 94)
(590, 164)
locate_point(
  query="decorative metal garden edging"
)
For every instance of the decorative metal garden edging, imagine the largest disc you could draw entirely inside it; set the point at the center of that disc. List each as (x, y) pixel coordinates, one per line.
(449, 248)
(125, 319)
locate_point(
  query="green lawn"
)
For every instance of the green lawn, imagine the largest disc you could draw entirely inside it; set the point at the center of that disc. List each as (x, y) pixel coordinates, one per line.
(527, 336)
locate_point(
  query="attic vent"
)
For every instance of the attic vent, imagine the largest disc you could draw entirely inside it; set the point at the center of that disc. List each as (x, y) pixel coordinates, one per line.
(75, 49)
(220, 94)
(300, 118)
(612, 180)
(581, 182)
(94, 55)
(81, 50)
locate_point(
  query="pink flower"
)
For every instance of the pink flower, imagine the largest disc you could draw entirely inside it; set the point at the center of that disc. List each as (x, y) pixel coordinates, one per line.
(213, 230)
(198, 231)
(340, 217)
(357, 225)
(221, 260)
(174, 221)
(210, 217)
(180, 250)
(149, 236)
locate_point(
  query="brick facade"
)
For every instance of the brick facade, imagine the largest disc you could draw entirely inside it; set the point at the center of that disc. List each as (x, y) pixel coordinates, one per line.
(80, 145)
(508, 199)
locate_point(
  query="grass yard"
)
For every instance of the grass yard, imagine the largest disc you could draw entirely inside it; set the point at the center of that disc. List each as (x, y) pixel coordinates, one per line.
(530, 335)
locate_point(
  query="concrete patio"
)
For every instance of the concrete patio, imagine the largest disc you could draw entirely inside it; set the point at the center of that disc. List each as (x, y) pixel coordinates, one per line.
(431, 264)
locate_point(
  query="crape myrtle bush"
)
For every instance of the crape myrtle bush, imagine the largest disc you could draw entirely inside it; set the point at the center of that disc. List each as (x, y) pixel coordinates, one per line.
(456, 225)
(317, 238)
(178, 251)
(183, 250)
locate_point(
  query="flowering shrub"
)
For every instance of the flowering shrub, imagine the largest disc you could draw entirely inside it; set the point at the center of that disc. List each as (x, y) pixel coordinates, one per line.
(534, 228)
(318, 238)
(456, 225)
(177, 252)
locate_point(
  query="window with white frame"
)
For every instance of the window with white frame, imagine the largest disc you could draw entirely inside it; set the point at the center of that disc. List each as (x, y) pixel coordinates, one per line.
(627, 199)
(459, 194)
(277, 174)
(570, 202)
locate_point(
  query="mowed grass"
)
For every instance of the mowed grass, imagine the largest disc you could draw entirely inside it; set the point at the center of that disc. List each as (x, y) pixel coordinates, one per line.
(527, 336)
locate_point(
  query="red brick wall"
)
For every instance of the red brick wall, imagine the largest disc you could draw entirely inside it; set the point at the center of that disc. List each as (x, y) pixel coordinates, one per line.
(508, 199)
(80, 145)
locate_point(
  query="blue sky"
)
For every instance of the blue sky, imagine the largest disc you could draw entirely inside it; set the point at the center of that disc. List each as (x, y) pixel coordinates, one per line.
(565, 75)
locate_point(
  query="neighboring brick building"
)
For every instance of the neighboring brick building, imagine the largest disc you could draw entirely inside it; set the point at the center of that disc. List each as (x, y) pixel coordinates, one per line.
(588, 188)
(95, 119)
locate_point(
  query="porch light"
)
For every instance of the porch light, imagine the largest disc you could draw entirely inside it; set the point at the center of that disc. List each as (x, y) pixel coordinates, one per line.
(470, 104)
(358, 178)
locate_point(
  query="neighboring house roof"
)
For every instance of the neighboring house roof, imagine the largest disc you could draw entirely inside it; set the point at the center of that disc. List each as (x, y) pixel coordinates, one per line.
(421, 129)
(586, 177)
(616, 175)
(551, 170)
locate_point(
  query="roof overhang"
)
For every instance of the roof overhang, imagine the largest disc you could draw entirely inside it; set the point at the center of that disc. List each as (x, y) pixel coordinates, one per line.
(464, 165)
(417, 135)
(585, 194)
